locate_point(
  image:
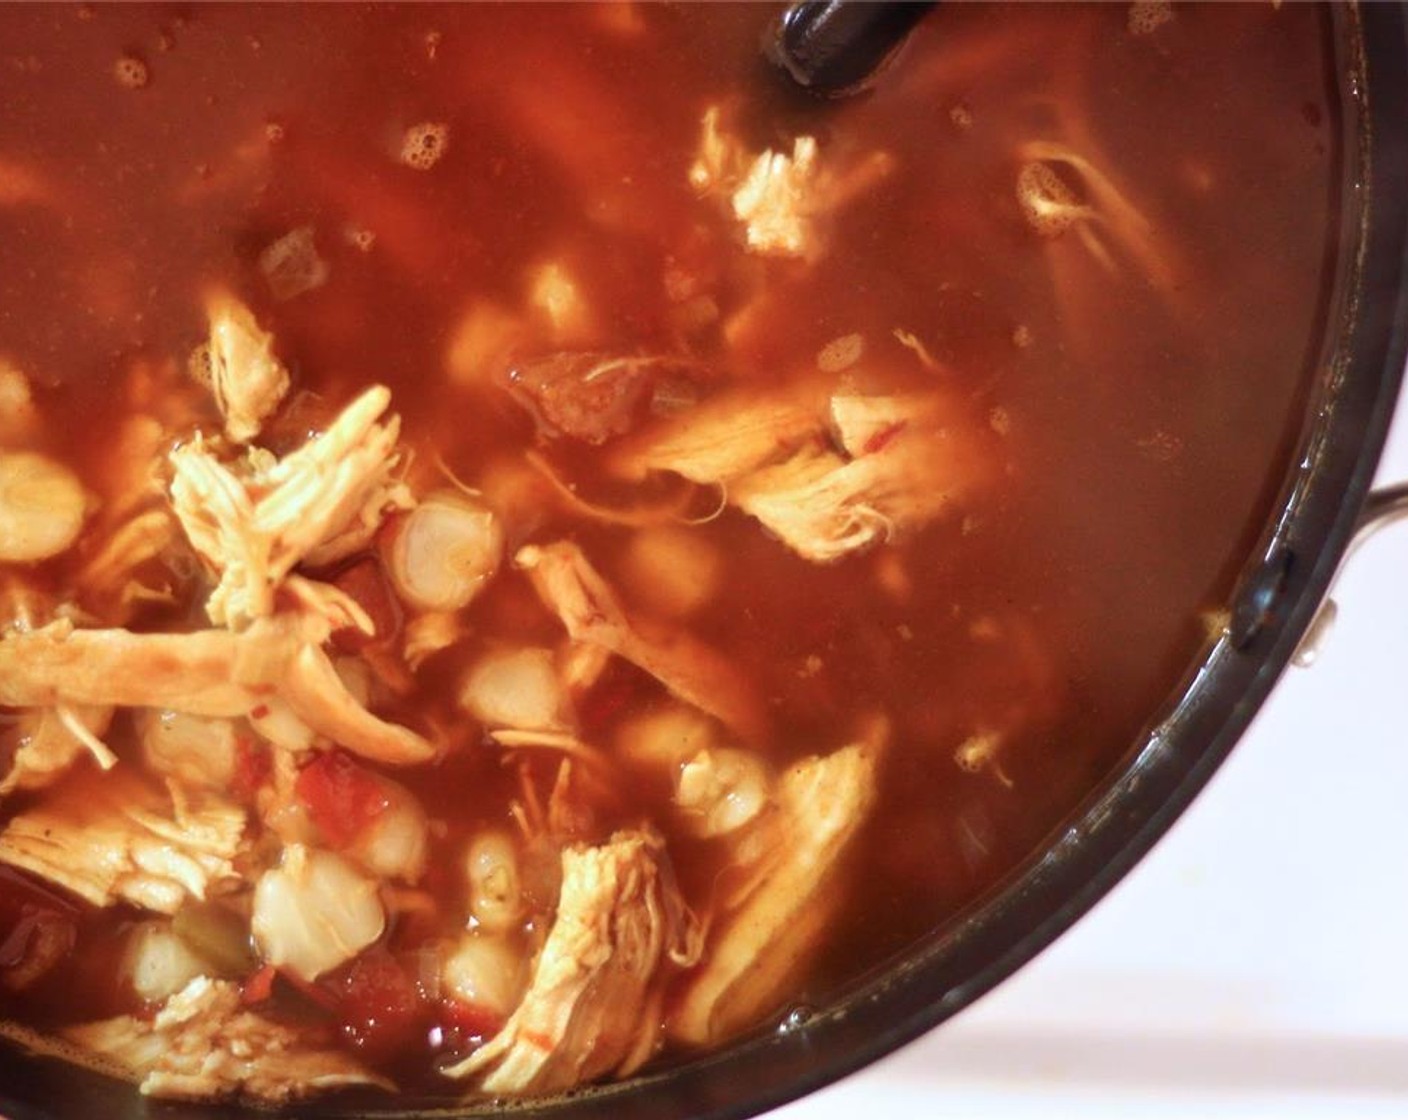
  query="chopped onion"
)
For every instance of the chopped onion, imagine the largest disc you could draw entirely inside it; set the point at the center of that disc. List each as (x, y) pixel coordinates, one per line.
(723, 790)
(198, 751)
(159, 963)
(218, 935)
(557, 297)
(667, 737)
(495, 894)
(444, 551)
(396, 842)
(42, 507)
(672, 570)
(517, 688)
(314, 911)
(484, 971)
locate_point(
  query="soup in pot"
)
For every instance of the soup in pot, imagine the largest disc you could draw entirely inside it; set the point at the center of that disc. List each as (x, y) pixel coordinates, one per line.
(529, 548)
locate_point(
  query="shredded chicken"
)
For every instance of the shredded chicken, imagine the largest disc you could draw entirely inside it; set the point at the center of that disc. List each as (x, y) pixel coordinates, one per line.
(827, 479)
(771, 193)
(904, 466)
(771, 927)
(49, 740)
(777, 196)
(203, 1044)
(247, 380)
(774, 201)
(696, 673)
(132, 552)
(206, 673)
(593, 1004)
(254, 522)
(111, 838)
(725, 437)
(720, 161)
(110, 574)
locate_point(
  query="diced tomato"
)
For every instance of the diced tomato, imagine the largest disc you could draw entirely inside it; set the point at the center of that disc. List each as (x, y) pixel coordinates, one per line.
(260, 986)
(379, 1004)
(252, 767)
(342, 797)
(364, 582)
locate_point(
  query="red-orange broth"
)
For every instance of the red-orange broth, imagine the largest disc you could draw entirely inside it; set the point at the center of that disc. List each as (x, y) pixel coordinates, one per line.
(1138, 399)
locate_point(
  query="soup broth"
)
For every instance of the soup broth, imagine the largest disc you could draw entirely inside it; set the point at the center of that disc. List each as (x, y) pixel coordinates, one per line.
(795, 508)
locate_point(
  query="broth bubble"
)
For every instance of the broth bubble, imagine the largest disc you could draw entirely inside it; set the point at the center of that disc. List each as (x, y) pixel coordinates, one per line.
(425, 144)
(131, 72)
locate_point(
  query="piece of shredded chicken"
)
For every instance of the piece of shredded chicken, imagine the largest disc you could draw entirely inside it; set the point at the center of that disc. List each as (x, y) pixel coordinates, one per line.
(112, 838)
(726, 436)
(775, 200)
(771, 926)
(593, 1004)
(719, 161)
(827, 477)
(776, 196)
(697, 673)
(132, 551)
(47, 741)
(206, 673)
(255, 520)
(905, 462)
(203, 1044)
(110, 575)
(771, 193)
(247, 380)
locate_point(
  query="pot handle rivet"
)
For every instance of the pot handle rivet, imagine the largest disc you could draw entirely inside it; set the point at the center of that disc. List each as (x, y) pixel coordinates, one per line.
(1257, 598)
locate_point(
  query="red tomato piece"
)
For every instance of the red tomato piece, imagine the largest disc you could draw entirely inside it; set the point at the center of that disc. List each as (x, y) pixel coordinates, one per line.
(342, 797)
(252, 768)
(260, 986)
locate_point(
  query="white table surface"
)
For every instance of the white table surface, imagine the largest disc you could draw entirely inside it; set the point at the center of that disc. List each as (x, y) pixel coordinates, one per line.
(1256, 963)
